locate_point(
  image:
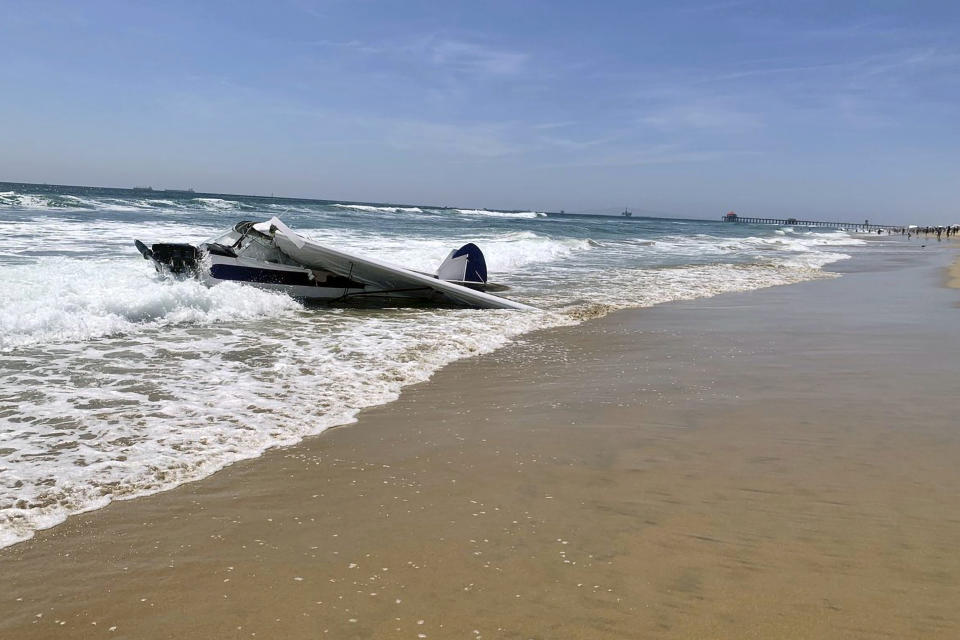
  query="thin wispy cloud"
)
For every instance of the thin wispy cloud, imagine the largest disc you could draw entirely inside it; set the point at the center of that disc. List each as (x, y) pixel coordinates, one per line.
(658, 155)
(553, 125)
(711, 7)
(700, 116)
(440, 51)
(571, 144)
(473, 57)
(448, 140)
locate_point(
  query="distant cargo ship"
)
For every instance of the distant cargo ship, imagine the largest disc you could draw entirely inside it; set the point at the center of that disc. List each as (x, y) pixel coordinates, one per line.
(152, 190)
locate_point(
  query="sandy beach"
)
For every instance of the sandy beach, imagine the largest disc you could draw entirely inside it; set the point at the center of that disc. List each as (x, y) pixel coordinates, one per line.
(773, 464)
(953, 274)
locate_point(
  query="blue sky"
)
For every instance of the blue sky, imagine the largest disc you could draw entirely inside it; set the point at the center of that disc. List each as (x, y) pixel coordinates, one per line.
(688, 108)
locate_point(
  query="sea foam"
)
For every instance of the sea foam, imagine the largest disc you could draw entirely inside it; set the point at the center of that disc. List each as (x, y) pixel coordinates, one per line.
(64, 299)
(117, 383)
(501, 214)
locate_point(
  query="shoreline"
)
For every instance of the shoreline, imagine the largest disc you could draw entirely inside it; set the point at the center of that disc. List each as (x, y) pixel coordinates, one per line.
(953, 272)
(732, 277)
(584, 484)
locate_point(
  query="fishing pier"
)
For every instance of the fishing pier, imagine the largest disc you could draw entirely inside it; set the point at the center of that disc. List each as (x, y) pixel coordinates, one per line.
(846, 226)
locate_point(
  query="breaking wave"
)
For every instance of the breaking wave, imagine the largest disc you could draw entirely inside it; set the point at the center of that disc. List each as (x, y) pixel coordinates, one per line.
(366, 207)
(61, 300)
(501, 214)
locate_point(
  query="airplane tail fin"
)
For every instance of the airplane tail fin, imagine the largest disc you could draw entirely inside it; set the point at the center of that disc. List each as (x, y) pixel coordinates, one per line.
(465, 264)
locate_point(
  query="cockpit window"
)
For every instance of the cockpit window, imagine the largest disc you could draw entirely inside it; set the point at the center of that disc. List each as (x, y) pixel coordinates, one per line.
(227, 239)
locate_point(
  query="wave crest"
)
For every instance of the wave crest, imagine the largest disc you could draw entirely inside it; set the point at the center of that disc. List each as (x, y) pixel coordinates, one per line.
(63, 299)
(502, 214)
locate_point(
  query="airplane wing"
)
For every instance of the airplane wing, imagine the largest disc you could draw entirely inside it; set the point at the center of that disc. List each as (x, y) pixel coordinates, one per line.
(376, 273)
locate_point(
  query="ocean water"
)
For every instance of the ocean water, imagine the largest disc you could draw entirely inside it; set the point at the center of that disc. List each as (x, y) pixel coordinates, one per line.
(115, 383)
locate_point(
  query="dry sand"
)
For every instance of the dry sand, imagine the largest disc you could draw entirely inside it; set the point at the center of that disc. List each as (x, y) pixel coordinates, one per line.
(777, 464)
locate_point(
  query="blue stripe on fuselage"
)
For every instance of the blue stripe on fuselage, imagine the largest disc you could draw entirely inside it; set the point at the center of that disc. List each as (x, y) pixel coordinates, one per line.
(277, 276)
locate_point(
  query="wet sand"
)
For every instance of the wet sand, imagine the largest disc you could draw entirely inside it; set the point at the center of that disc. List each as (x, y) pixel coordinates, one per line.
(779, 463)
(953, 274)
